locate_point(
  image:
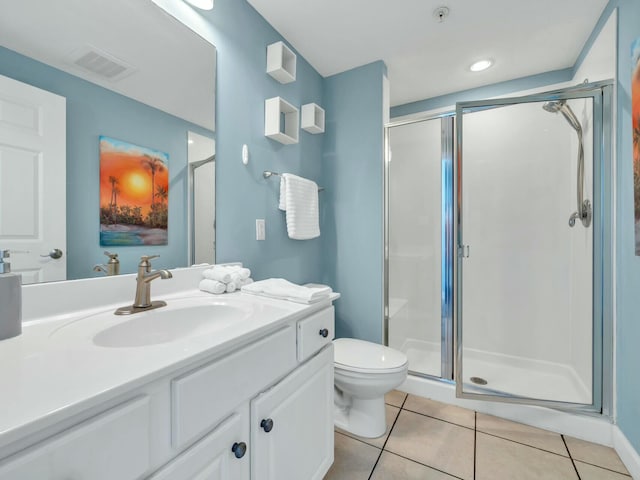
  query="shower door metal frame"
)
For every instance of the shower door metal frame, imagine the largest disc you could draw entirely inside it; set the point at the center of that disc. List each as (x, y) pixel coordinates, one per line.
(602, 292)
(447, 140)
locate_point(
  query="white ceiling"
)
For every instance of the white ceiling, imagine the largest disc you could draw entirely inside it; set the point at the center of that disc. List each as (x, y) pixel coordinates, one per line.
(426, 58)
(172, 68)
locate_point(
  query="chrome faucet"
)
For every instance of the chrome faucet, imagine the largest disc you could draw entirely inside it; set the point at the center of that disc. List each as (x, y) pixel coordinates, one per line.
(111, 268)
(145, 276)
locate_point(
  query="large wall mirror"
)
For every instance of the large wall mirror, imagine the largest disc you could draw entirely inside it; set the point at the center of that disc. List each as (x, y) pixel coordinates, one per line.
(72, 74)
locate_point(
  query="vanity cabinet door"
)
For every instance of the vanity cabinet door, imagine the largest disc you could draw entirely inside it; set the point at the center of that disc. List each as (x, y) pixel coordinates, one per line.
(292, 424)
(114, 445)
(221, 455)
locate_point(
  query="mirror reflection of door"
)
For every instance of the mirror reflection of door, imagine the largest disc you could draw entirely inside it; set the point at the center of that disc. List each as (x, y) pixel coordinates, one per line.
(32, 210)
(202, 199)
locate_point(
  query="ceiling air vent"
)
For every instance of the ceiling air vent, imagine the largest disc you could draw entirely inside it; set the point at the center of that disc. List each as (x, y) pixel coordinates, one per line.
(100, 63)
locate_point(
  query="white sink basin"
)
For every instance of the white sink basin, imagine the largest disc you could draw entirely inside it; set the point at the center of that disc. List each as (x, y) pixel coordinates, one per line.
(182, 318)
(169, 324)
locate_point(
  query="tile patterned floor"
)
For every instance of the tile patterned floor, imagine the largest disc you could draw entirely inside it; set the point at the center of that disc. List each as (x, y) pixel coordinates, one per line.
(428, 440)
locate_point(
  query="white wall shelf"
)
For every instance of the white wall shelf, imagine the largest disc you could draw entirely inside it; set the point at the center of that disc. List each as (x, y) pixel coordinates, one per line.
(312, 118)
(281, 62)
(281, 121)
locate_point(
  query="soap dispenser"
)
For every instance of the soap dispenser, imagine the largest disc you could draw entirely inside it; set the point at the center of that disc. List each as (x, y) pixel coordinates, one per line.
(10, 299)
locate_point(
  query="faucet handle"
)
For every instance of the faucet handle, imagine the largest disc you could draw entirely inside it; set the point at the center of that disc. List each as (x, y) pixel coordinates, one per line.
(111, 255)
(144, 261)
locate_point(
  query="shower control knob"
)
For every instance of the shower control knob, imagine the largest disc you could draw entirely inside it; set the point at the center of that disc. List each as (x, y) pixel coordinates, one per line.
(239, 449)
(324, 333)
(267, 424)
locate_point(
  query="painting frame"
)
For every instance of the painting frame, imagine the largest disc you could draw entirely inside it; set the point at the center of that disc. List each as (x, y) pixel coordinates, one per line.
(134, 194)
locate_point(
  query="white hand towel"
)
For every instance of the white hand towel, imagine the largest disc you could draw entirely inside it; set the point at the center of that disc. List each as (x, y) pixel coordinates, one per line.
(299, 199)
(282, 289)
(231, 287)
(244, 282)
(218, 273)
(244, 273)
(212, 286)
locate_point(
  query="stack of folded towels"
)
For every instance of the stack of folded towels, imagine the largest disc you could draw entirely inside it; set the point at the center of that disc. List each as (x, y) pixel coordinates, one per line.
(282, 289)
(225, 279)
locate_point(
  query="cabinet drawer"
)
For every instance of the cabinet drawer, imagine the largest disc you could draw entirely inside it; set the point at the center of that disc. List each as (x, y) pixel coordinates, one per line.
(311, 332)
(202, 398)
(212, 457)
(112, 445)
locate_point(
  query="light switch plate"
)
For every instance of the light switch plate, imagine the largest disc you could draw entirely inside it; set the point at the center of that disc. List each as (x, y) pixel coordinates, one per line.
(260, 229)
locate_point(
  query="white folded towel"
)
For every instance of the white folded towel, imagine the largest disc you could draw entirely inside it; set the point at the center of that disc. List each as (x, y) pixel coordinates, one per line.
(218, 273)
(231, 287)
(212, 286)
(299, 199)
(284, 290)
(244, 282)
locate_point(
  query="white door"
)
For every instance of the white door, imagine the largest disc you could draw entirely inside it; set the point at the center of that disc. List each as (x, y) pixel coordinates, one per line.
(33, 180)
(292, 424)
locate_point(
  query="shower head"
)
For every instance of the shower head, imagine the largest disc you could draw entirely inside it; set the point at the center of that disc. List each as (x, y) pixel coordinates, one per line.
(562, 107)
(553, 107)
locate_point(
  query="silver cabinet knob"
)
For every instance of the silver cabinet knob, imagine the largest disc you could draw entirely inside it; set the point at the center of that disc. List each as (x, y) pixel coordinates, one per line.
(56, 253)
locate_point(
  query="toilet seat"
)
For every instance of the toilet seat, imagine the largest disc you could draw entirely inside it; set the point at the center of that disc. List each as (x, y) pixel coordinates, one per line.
(360, 356)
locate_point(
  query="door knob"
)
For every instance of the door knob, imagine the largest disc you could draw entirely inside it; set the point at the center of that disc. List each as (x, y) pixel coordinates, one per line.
(267, 425)
(324, 333)
(239, 449)
(56, 253)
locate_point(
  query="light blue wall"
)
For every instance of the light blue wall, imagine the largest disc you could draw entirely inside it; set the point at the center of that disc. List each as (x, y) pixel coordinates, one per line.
(241, 37)
(488, 91)
(627, 264)
(93, 111)
(353, 218)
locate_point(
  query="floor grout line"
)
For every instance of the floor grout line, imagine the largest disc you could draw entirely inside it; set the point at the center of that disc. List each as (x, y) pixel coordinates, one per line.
(475, 443)
(423, 464)
(436, 418)
(570, 456)
(386, 439)
(524, 444)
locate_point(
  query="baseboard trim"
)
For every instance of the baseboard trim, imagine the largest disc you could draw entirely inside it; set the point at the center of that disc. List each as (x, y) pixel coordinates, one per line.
(626, 452)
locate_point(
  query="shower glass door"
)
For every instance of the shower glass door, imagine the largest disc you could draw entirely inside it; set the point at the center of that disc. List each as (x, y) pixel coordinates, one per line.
(529, 309)
(419, 230)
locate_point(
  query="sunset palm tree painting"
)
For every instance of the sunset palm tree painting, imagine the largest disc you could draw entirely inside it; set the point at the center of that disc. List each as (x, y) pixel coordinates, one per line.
(635, 117)
(134, 194)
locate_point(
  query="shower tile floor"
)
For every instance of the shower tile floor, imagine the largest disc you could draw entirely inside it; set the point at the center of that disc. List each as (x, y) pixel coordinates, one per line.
(428, 440)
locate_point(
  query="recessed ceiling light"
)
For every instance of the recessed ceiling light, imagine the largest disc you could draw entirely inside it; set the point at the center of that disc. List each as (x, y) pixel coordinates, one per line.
(203, 4)
(480, 65)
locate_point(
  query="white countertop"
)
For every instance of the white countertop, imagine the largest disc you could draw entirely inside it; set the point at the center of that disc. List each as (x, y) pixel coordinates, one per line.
(54, 370)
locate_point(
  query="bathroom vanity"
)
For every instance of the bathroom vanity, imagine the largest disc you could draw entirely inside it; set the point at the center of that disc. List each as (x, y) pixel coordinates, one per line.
(226, 387)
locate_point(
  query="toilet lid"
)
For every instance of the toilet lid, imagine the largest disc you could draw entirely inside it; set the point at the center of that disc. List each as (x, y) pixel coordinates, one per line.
(362, 355)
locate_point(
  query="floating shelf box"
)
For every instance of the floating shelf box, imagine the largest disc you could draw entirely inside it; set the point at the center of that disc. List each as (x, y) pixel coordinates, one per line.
(281, 121)
(281, 62)
(312, 118)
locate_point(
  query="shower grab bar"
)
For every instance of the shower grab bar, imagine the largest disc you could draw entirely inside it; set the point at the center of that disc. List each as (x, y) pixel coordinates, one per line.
(267, 174)
(584, 206)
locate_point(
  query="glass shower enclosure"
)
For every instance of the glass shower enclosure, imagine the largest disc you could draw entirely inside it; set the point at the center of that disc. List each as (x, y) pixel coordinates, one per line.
(496, 233)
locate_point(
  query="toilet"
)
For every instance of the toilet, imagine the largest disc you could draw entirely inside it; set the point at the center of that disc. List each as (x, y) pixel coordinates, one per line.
(364, 372)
